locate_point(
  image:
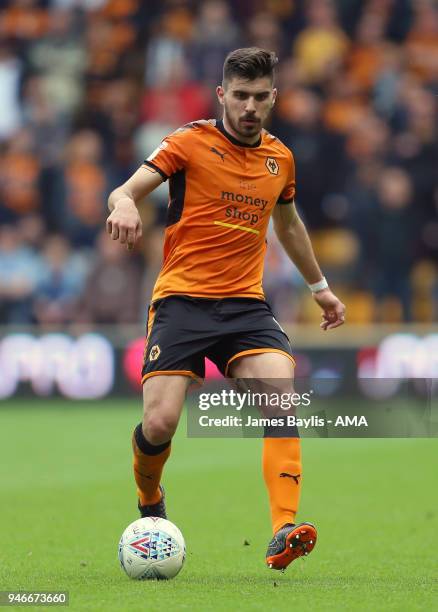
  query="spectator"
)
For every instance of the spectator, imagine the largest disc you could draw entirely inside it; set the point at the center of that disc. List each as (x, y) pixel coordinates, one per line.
(20, 271)
(321, 46)
(61, 282)
(24, 21)
(177, 97)
(214, 36)
(367, 54)
(112, 290)
(264, 31)
(59, 60)
(168, 45)
(80, 190)
(318, 151)
(20, 173)
(422, 42)
(40, 116)
(394, 239)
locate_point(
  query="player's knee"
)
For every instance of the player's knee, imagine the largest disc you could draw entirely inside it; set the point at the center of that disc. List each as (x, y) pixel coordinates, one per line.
(159, 427)
(158, 430)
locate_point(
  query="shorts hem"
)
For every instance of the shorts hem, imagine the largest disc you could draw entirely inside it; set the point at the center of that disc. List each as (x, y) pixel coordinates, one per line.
(257, 352)
(188, 373)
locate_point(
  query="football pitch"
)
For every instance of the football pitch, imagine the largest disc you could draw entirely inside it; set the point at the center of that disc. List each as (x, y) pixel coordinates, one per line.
(67, 494)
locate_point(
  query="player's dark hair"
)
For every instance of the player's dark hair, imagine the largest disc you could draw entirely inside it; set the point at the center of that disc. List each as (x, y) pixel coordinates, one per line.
(249, 63)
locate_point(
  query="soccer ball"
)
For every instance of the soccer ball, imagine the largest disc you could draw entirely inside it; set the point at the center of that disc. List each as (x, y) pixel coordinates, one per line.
(152, 548)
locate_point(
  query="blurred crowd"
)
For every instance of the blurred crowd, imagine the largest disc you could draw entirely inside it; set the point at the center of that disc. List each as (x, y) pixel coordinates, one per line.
(88, 88)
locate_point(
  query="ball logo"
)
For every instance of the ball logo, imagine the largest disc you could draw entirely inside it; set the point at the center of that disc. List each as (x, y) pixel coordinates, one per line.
(154, 353)
(141, 546)
(155, 545)
(272, 165)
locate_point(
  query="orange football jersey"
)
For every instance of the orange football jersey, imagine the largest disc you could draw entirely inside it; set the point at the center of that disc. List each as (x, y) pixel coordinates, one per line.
(221, 196)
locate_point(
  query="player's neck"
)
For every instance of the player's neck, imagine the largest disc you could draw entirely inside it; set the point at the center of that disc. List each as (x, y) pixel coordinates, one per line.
(250, 140)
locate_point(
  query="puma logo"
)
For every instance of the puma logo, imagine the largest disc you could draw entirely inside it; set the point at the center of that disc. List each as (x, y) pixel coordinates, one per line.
(294, 476)
(216, 152)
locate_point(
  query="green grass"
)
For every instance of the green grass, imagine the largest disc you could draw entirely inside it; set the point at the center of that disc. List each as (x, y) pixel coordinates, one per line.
(67, 494)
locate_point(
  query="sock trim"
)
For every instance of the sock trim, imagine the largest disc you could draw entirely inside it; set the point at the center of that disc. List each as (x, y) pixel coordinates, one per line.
(146, 447)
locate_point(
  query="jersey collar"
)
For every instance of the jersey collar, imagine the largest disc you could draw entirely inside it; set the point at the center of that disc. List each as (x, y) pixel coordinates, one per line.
(234, 141)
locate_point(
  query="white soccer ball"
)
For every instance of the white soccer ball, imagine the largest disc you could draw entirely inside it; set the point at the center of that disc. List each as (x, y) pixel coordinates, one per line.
(152, 548)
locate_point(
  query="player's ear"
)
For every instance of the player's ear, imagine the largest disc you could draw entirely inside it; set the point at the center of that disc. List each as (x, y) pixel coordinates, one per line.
(274, 96)
(220, 94)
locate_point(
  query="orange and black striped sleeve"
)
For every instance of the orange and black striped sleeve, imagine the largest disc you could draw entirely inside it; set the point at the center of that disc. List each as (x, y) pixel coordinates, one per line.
(172, 155)
(288, 193)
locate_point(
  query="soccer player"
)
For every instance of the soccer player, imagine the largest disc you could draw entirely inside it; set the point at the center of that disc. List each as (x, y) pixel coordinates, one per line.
(226, 179)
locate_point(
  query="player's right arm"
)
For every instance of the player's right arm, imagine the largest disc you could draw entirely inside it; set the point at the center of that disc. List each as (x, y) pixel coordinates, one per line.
(170, 156)
(124, 222)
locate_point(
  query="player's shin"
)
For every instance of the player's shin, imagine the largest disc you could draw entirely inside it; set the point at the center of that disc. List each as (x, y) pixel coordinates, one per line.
(149, 462)
(282, 474)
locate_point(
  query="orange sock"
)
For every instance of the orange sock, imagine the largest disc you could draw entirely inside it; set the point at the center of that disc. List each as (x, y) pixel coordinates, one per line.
(148, 467)
(282, 474)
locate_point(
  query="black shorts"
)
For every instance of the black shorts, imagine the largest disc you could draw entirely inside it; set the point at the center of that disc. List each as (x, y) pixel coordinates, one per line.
(183, 330)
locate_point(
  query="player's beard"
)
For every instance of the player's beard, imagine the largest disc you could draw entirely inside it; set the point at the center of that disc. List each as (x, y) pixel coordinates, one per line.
(245, 130)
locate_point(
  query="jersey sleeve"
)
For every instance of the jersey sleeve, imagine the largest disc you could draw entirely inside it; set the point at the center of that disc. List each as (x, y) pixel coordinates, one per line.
(172, 154)
(288, 193)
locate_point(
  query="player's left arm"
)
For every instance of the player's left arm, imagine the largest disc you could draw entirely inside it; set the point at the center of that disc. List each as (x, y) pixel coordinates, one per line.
(295, 240)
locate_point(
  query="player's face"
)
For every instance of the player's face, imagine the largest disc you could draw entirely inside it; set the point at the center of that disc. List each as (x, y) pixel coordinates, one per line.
(247, 105)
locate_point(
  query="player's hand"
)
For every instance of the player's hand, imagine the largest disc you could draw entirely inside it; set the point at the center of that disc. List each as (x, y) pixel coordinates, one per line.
(124, 224)
(333, 309)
